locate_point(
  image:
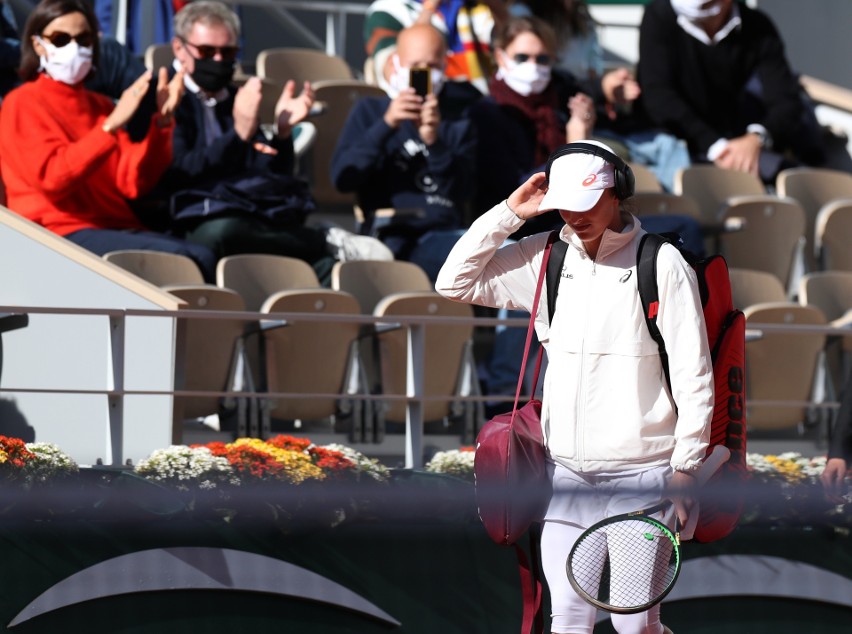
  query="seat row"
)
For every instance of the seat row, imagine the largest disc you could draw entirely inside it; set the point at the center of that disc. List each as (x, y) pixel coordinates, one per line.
(824, 197)
(805, 366)
(309, 365)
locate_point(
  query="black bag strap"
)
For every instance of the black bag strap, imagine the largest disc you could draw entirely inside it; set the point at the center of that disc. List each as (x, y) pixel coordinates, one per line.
(554, 274)
(649, 295)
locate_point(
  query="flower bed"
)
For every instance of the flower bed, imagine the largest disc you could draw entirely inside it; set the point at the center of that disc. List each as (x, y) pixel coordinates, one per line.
(293, 479)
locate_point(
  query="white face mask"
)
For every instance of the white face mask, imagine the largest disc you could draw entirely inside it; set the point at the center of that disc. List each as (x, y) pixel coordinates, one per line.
(69, 64)
(399, 79)
(691, 9)
(525, 79)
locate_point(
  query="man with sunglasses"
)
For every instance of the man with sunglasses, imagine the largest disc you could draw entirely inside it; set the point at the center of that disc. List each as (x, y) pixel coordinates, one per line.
(221, 152)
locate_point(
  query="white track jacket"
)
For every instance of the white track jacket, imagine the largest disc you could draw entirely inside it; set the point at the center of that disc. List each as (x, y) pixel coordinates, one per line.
(606, 407)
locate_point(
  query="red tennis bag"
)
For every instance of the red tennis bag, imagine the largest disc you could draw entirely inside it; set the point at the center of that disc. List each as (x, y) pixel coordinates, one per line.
(722, 503)
(510, 476)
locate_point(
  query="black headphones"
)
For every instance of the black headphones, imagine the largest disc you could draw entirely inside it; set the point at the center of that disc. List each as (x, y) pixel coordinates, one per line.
(625, 182)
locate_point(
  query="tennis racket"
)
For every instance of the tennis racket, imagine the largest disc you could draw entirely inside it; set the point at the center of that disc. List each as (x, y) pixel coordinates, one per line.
(629, 562)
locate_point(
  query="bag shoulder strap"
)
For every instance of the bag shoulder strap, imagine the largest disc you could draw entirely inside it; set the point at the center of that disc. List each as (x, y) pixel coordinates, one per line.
(554, 236)
(649, 295)
(554, 274)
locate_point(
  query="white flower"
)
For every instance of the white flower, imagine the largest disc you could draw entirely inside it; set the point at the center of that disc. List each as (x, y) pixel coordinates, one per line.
(369, 466)
(49, 462)
(453, 462)
(183, 465)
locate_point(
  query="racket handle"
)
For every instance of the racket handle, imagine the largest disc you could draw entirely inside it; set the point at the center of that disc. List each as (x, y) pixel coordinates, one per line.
(711, 464)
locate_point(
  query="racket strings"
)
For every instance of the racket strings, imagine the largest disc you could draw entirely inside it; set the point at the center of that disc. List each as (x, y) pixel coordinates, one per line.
(626, 564)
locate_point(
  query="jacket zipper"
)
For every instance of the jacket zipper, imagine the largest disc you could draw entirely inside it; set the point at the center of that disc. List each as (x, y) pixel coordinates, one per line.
(581, 397)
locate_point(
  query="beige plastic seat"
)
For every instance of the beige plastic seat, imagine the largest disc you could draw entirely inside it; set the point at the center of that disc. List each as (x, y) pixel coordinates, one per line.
(369, 281)
(211, 359)
(770, 234)
(750, 287)
(447, 365)
(781, 366)
(710, 187)
(646, 180)
(300, 65)
(257, 276)
(833, 236)
(813, 188)
(337, 98)
(313, 357)
(157, 267)
(831, 292)
(662, 203)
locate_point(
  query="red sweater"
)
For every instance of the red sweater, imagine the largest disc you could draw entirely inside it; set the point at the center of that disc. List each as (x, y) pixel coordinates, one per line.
(62, 170)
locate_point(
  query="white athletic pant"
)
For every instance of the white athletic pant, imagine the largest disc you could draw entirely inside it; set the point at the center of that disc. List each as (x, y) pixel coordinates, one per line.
(580, 500)
(569, 613)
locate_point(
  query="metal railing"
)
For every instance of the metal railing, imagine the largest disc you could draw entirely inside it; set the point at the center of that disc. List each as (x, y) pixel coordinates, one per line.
(414, 396)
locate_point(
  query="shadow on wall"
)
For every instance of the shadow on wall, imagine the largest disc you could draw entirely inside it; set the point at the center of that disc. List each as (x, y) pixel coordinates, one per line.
(12, 422)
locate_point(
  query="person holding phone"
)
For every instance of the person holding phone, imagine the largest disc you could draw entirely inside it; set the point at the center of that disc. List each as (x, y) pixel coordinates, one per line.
(404, 151)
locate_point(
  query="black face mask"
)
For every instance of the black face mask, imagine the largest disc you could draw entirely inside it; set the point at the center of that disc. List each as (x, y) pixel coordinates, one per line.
(212, 75)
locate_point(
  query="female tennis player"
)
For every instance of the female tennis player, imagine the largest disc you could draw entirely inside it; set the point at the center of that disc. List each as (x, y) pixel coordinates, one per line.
(618, 440)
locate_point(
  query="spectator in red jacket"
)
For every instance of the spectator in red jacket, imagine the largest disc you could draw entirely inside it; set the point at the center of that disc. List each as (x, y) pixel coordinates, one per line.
(80, 166)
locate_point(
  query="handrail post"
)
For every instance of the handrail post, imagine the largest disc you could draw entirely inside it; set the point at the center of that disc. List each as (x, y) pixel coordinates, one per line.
(330, 35)
(414, 391)
(115, 399)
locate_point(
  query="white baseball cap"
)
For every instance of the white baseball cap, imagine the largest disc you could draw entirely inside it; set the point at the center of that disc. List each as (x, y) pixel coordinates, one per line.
(577, 180)
(692, 9)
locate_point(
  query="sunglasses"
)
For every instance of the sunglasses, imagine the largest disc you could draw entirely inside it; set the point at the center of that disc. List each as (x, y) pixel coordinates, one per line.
(208, 52)
(543, 59)
(60, 39)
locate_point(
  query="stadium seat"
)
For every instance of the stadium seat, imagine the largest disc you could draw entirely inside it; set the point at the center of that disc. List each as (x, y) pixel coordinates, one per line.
(313, 358)
(336, 99)
(448, 368)
(781, 366)
(710, 187)
(370, 281)
(257, 276)
(769, 238)
(646, 180)
(833, 236)
(831, 292)
(157, 267)
(813, 188)
(300, 65)
(211, 360)
(750, 287)
(662, 203)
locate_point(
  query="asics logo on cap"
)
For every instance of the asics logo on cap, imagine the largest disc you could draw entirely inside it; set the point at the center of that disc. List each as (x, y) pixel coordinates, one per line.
(591, 178)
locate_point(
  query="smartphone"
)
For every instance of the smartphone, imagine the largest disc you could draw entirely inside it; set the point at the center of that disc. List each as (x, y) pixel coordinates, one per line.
(420, 78)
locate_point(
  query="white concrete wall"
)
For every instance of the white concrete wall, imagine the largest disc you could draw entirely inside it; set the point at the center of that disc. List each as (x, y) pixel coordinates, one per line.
(74, 353)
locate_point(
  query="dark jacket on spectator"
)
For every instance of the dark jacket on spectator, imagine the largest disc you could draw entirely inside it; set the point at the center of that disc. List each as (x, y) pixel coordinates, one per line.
(702, 93)
(392, 168)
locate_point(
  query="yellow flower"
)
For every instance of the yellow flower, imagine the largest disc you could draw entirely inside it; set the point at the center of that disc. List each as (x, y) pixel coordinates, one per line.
(297, 464)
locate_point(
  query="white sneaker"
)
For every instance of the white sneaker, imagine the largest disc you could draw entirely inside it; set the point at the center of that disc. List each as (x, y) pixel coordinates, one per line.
(346, 246)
